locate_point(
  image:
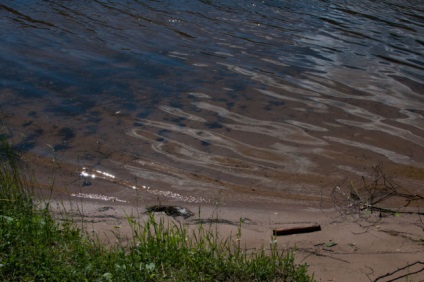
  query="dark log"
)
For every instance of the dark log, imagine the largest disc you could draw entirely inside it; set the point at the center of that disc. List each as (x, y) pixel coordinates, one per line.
(296, 230)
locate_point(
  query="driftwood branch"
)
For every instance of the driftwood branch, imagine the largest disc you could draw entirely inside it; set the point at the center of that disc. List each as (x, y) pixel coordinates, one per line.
(296, 230)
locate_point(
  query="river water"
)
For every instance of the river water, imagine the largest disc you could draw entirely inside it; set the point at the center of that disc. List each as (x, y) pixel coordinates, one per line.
(198, 101)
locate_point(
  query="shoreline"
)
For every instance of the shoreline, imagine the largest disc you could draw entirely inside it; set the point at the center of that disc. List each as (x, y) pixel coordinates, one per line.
(344, 250)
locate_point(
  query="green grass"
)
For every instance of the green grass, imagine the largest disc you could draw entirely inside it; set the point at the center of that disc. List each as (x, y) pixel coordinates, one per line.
(34, 247)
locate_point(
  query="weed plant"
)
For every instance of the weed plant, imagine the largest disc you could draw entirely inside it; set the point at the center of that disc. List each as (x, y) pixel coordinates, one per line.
(34, 247)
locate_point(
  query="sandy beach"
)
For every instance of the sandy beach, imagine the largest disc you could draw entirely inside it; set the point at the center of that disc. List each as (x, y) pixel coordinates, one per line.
(377, 248)
(354, 244)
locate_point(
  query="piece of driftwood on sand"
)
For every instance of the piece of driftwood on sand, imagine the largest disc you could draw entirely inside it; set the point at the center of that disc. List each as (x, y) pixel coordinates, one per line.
(296, 230)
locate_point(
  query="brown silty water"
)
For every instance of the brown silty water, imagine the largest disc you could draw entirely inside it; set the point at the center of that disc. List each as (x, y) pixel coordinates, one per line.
(247, 107)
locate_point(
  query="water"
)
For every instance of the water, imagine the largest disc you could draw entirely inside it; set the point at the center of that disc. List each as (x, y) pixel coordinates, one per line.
(250, 101)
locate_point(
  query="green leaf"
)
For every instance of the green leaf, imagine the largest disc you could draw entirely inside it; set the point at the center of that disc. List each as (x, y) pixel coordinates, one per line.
(8, 219)
(151, 267)
(108, 276)
(330, 244)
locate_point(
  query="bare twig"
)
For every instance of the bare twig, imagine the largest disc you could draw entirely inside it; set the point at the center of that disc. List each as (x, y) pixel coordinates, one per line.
(396, 272)
(366, 198)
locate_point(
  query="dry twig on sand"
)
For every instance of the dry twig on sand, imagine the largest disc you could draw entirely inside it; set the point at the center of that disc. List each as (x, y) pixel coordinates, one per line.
(374, 197)
(403, 272)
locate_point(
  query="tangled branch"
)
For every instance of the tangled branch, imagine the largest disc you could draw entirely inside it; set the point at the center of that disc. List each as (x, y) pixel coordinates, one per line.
(370, 197)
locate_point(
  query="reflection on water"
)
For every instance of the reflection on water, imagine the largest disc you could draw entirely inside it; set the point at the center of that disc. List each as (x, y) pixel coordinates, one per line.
(197, 98)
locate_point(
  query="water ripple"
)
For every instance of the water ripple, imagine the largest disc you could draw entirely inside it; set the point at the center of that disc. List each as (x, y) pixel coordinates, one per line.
(197, 96)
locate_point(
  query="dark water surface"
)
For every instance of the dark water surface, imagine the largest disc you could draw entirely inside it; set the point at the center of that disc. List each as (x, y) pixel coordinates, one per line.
(192, 100)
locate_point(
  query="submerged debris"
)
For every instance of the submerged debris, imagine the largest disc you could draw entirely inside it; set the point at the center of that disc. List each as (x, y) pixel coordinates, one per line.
(102, 209)
(173, 211)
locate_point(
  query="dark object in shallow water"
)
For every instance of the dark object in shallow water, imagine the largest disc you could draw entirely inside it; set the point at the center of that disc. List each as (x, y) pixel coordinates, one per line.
(86, 183)
(173, 211)
(296, 230)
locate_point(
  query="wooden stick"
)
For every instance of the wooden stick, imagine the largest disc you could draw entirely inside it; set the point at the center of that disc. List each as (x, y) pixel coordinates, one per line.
(296, 230)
